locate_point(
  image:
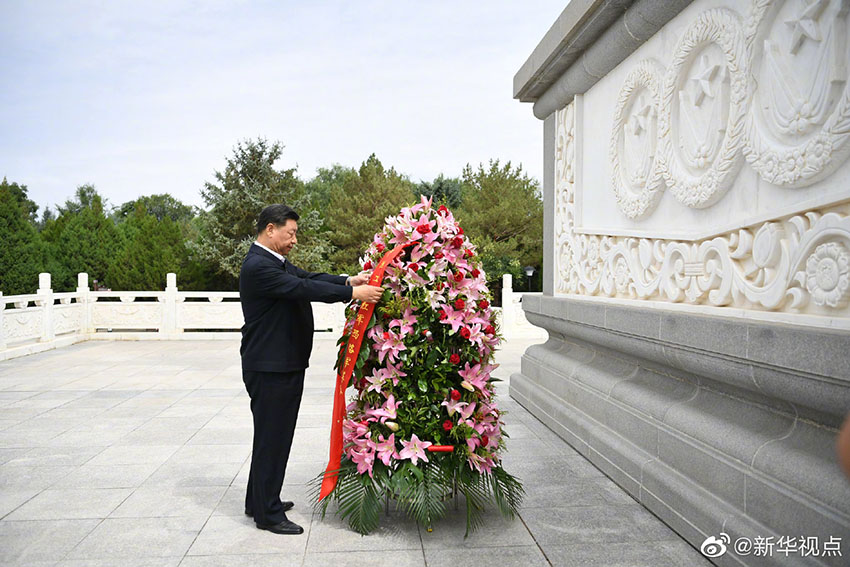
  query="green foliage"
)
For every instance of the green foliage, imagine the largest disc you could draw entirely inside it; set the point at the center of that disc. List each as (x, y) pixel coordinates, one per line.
(358, 208)
(421, 491)
(83, 240)
(327, 180)
(84, 198)
(19, 193)
(444, 191)
(159, 206)
(151, 249)
(23, 254)
(249, 183)
(502, 208)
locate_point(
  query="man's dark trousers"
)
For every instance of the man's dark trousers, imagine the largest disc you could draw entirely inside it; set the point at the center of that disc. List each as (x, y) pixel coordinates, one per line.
(275, 398)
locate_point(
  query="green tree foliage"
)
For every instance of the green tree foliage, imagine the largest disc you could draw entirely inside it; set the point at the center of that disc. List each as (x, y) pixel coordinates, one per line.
(22, 254)
(249, 183)
(502, 211)
(159, 206)
(358, 208)
(19, 192)
(83, 239)
(444, 191)
(326, 181)
(152, 248)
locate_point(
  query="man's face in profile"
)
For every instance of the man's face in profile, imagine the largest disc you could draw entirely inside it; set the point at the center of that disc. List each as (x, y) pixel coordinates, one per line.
(284, 237)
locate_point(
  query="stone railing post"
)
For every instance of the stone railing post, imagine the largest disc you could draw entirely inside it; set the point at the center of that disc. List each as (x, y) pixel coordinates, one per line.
(2, 334)
(508, 307)
(85, 303)
(169, 315)
(44, 290)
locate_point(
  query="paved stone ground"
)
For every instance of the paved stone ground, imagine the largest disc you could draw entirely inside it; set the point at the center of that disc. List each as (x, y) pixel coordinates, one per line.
(136, 454)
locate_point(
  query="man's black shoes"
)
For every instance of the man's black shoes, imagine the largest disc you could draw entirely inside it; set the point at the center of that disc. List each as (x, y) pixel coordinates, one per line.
(287, 506)
(286, 527)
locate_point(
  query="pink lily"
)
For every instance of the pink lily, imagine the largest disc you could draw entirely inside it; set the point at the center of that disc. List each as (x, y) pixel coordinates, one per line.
(386, 449)
(453, 318)
(452, 406)
(406, 323)
(386, 411)
(364, 460)
(395, 373)
(414, 449)
(475, 377)
(390, 348)
(467, 412)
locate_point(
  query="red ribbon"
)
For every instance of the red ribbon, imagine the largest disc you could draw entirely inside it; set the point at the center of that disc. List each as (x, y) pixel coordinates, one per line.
(352, 351)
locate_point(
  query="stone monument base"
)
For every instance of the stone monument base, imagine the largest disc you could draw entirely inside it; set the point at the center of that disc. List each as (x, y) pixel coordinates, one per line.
(717, 425)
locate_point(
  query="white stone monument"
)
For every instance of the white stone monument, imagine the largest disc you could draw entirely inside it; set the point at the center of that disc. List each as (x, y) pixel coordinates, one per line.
(697, 260)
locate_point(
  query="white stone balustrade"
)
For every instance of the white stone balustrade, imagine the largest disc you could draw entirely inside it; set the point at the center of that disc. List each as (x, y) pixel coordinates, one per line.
(47, 320)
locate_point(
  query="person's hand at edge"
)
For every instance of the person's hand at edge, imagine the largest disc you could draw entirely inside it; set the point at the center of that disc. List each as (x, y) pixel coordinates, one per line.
(360, 279)
(367, 293)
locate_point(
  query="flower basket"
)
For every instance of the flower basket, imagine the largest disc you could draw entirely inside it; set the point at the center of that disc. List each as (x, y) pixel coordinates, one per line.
(421, 423)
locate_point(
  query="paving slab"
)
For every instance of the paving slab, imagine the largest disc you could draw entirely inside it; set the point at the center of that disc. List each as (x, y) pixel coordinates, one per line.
(137, 454)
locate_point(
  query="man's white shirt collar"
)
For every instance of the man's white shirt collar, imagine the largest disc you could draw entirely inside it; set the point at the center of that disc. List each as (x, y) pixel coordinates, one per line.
(275, 254)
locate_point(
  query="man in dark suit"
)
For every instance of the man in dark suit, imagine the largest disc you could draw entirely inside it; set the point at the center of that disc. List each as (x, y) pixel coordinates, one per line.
(276, 342)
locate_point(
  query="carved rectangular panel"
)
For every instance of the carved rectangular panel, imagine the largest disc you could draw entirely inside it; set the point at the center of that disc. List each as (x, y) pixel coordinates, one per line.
(126, 315)
(209, 315)
(22, 324)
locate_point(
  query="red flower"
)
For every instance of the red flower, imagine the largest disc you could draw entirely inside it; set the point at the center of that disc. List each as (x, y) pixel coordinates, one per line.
(490, 330)
(454, 393)
(468, 253)
(475, 273)
(483, 304)
(425, 331)
(367, 265)
(414, 267)
(439, 286)
(459, 303)
(443, 210)
(454, 359)
(465, 333)
(423, 229)
(386, 335)
(460, 230)
(438, 255)
(484, 440)
(447, 425)
(380, 247)
(443, 315)
(458, 277)
(457, 241)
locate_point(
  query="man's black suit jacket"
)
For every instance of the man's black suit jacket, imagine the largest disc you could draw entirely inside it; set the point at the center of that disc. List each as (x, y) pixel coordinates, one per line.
(278, 332)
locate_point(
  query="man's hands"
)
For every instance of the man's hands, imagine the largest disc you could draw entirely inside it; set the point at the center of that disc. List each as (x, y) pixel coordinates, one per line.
(367, 293)
(359, 279)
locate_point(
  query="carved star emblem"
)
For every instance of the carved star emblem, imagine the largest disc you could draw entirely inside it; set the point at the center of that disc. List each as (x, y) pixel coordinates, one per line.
(805, 25)
(701, 83)
(637, 121)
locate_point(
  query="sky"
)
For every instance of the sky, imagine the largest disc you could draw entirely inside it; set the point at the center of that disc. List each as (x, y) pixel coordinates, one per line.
(151, 97)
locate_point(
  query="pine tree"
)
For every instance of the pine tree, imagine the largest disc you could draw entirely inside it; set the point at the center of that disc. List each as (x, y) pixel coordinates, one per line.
(88, 241)
(249, 183)
(443, 190)
(502, 207)
(358, 208)
(151, 250)
(22, 254)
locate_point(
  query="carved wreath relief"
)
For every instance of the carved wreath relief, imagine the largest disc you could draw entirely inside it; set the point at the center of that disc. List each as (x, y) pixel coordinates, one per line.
(797, 130)
(771, 89)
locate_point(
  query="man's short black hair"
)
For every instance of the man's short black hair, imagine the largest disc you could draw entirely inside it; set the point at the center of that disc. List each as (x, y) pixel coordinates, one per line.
(275, 214)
